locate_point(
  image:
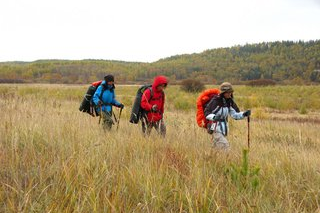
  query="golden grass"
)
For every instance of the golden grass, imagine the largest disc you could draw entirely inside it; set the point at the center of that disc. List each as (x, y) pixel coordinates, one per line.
(54, 158)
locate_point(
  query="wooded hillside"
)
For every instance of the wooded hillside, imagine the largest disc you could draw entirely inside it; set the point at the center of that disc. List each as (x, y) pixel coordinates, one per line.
(284, 62)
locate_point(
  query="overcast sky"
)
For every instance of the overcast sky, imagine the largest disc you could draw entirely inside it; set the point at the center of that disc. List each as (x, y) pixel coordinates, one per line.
(147, 30)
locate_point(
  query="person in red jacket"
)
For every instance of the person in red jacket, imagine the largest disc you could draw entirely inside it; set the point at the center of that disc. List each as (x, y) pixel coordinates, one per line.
(153, 103)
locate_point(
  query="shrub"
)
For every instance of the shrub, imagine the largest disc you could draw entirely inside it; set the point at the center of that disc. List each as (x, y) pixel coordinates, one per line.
(303, 109)
(261, 82)
(243, 176)
(10, 81)
(191, 85)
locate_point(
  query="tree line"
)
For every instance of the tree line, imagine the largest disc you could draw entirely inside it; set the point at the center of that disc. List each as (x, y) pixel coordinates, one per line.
(282, 61)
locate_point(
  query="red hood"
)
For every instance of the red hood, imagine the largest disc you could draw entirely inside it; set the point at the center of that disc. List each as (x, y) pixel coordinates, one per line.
(159, 80)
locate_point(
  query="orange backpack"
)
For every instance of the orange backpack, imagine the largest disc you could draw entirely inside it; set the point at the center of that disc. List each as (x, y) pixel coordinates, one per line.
(202, 101)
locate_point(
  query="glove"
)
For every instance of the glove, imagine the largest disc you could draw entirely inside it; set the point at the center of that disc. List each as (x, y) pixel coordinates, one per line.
(121, 106)
(100, 103)
(154, 108)
(247, 113)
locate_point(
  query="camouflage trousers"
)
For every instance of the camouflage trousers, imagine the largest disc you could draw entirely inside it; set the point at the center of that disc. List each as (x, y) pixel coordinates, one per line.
(107, 121)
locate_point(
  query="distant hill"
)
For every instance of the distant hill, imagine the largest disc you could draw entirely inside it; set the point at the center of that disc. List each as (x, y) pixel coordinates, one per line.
(286, 61)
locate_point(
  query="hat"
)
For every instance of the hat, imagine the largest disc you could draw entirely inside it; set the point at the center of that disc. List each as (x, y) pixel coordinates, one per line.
(108, 78)
(225, 87)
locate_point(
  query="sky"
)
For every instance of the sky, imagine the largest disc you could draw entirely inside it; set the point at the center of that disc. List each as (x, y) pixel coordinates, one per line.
(147, 30)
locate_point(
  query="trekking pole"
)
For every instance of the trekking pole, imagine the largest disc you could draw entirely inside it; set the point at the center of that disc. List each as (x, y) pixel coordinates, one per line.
(115, 118)
(119, 118)
(100, 114)
(248, 118)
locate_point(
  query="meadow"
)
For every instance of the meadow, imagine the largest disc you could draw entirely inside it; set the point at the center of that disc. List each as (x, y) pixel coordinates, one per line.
(54, 158)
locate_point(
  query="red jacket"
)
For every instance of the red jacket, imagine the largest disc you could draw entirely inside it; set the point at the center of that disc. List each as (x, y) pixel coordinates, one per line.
(158, 98)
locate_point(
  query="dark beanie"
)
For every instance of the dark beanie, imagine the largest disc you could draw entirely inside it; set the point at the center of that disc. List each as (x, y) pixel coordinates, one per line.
(108, 78)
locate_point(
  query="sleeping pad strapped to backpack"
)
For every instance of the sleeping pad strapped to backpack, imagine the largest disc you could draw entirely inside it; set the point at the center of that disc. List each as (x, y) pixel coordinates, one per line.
(202, 100)
(87, 104)
(137, 111)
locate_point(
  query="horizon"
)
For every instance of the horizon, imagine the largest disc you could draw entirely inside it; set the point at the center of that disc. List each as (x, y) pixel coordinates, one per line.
(93, 59)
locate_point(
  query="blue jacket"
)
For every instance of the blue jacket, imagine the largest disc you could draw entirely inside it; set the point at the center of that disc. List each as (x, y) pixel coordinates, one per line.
(108, 97)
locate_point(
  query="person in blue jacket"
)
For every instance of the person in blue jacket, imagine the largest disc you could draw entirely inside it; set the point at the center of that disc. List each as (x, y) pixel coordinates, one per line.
(104, 98)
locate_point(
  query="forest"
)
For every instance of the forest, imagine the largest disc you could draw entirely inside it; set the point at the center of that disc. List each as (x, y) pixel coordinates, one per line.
(284, 62)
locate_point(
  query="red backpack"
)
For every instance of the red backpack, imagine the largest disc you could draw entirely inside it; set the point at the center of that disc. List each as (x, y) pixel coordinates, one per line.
(202, 100)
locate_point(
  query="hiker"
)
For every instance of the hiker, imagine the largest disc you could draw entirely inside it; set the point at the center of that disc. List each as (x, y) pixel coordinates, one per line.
(217, 111)
(104, 99)
(153, 104)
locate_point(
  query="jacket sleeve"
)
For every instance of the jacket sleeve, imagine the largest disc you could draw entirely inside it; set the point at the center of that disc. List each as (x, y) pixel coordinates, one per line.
(96, 96)
(235, 115)
(145, 100)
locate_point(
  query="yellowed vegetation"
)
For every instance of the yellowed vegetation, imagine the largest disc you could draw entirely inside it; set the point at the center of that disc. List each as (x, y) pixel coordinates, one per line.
(54, 158)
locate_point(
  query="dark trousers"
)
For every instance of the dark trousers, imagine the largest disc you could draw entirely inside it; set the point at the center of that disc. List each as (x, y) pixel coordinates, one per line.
(147, 126)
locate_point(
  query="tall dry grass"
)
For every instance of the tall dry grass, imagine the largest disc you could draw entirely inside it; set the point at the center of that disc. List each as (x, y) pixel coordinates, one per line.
(55, 159)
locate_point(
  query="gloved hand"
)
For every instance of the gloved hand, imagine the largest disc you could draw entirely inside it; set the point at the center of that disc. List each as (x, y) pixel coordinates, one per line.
(100, 103)
(121, 106)
(154, 108)
(247, 113)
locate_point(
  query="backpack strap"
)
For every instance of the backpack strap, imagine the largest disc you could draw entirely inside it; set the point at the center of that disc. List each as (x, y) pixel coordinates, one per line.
(216, 109)
(151, 93)
(102, 91)
(213, 106)
(144, 112)
(100, 97)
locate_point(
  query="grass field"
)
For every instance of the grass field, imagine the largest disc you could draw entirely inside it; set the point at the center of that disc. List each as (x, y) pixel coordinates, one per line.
(54, 158)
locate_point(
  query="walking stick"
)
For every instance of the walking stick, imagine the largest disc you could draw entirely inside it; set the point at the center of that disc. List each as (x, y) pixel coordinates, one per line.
(248, 118)
(115, 118)
(100, 113)
(119, 118)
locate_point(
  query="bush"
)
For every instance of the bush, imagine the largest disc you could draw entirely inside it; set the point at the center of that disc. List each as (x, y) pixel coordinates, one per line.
(191, 85)
(10, 81)
(261, 82)
(303, 109)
